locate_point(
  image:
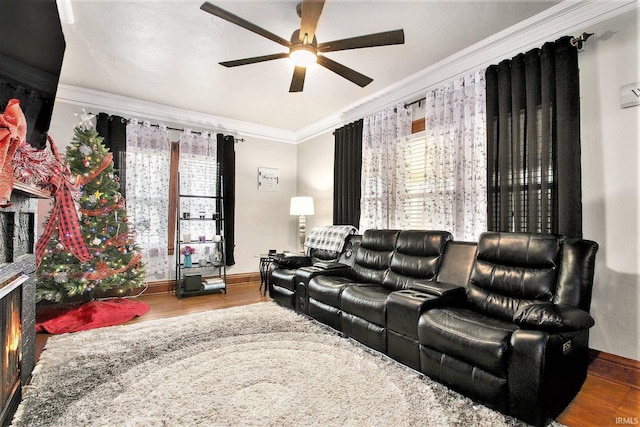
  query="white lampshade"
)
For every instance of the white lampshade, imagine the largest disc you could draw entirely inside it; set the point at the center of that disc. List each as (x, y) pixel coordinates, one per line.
(301, 206)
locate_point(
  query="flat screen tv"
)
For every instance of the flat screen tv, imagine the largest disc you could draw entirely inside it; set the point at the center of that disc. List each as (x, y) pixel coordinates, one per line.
(31, 51)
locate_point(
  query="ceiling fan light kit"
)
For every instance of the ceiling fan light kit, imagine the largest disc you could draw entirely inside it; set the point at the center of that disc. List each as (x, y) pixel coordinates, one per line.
(304, 53)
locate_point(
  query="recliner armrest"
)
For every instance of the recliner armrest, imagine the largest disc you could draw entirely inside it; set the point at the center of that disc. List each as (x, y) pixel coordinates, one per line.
(546, 371)
(440, 289)
(553, 317)
(328, 265)
(305, 274)
(291, 261)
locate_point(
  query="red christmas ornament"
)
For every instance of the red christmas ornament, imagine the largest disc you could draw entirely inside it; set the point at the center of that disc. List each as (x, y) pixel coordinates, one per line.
(103, 201)
(126, 219)
(85, 162)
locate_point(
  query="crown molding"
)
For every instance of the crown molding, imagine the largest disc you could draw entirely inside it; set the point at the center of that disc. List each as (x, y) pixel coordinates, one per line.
(94, 99)
(561, 19)
(320, 127)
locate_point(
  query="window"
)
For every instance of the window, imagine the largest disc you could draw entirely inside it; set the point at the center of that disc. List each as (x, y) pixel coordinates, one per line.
(148, 158)
(199, 178)
(527, 195)
(417, 182)
(424, 192)
(383, 200)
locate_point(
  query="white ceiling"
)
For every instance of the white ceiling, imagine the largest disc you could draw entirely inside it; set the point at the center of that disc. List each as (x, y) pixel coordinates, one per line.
(167, 52)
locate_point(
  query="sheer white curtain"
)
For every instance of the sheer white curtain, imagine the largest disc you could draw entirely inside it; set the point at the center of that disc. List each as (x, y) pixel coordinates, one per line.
(456, 168)
(385, 137)
(147, 161)
(198, 177)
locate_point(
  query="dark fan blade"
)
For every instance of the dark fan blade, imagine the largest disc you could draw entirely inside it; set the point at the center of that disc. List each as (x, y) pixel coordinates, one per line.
(346, 72)
(254, 60)
(311, 10)
(379, 39)
(227, 16)
(297, 82)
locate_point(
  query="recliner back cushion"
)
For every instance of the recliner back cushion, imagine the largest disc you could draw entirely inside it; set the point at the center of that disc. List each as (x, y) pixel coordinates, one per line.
(575, 282)
(348, 255)
(457, 263)
(418, 255)
(512, 270)
(323, 255)
(374, 255)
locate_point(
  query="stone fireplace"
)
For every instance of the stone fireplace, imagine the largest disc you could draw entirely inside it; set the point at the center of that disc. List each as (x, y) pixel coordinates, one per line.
(17, 297)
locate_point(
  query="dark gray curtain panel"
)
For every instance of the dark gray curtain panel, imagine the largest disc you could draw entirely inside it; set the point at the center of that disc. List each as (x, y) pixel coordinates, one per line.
(227, 166)
(347, 167)
(533, 142)
(114, 131)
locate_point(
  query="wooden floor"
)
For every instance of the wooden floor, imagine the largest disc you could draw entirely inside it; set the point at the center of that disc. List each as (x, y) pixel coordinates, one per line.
(603, 401)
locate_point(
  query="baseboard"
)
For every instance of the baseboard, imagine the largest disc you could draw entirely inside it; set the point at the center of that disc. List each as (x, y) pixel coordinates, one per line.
(234, 279)
(614, 368)
(163, 286)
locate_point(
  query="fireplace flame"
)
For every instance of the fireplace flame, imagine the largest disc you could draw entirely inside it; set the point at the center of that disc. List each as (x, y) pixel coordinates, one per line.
(10, 342)
(14, 332)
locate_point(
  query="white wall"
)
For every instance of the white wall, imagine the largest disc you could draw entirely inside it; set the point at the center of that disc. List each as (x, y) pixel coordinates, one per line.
(315, 177)
(262, 218)
(610, 180)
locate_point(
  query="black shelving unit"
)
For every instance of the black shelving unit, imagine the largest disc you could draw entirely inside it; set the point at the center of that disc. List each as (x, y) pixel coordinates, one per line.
(208, 263)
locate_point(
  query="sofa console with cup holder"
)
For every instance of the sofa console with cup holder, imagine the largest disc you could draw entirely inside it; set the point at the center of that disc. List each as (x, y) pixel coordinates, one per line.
(504, 321)
(281, 277)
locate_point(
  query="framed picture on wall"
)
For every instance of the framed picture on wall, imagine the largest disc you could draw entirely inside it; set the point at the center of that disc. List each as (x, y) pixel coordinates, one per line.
(268, 179)
(630, 95)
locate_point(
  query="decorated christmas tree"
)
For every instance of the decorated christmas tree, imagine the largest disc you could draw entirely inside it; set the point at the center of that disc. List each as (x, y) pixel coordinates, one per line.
(87, 244)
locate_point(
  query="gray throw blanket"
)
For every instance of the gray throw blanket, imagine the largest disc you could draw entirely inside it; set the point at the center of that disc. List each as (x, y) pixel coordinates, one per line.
(330, 238)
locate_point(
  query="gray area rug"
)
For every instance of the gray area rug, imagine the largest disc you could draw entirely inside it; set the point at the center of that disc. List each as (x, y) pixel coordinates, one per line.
(259, 364)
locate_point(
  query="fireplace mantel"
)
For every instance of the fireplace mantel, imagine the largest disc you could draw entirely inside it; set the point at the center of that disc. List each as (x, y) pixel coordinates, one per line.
(30, 190)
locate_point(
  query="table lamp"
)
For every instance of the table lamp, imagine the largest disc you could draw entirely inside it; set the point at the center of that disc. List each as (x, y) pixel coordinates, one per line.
(301, 206)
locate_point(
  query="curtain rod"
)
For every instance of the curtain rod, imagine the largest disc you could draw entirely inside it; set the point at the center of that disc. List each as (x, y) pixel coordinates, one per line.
(192, 131)
(577, 42)
(172, 128)
(414, 102)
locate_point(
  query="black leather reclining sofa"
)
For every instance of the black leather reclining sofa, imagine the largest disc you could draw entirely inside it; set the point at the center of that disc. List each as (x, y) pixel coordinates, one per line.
(504, 321)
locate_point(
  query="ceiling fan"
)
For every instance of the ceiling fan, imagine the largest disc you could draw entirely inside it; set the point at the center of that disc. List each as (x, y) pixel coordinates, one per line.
(304, 48)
